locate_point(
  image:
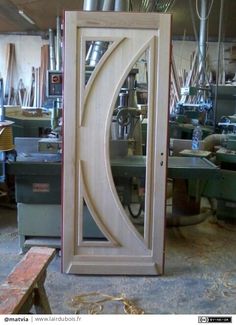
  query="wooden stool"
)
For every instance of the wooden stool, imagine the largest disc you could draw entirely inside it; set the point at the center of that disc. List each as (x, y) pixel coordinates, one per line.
(24, 287)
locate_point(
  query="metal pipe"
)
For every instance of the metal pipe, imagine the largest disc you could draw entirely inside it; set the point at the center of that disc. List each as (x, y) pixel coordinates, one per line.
(182, 221)
(52, 62)
(98, 48)
(58, 45)
(213, 140)
(122, 5)
(202, 42)
(218, 59)
(108, 5)
(97, 51)
(90, 5)
(2, 108)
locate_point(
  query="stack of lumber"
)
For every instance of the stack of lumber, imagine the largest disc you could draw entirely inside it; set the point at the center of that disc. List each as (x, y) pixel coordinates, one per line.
(35, 94)
(185, 79)
(10, 76)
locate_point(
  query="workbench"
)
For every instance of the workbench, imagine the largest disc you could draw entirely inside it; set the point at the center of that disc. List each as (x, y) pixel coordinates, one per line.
(181, 169)
(27, 126)
(38, 191)
(178, 167)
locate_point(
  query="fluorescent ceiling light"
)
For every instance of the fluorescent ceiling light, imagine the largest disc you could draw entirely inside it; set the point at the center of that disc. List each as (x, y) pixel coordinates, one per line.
(26, 17)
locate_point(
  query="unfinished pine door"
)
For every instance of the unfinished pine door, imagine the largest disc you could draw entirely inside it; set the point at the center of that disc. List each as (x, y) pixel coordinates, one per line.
(87, 174)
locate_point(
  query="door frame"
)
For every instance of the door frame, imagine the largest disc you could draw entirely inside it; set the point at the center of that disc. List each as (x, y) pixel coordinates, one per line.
(161, 23)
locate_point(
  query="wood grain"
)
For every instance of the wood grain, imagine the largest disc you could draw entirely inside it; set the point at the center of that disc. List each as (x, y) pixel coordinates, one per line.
(28, 274)
(87, 120)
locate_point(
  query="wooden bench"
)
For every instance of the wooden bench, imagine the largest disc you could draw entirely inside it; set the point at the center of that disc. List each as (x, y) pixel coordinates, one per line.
(24, 287)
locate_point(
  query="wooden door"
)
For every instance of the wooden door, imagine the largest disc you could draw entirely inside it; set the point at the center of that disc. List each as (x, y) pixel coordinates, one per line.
(88, 109)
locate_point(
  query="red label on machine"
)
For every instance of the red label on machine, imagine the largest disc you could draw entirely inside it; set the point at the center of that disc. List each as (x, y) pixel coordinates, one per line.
(41, 187)
(56, 79)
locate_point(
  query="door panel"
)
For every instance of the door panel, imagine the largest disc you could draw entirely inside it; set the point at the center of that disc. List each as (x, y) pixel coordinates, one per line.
(87, 172)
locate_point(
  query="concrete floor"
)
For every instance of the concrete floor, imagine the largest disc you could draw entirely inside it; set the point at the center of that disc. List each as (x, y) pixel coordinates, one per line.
(200, 273)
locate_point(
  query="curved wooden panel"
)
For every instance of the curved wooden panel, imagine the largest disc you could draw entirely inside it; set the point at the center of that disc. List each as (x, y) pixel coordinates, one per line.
(109, 51)
(99, 122)
(95, 215)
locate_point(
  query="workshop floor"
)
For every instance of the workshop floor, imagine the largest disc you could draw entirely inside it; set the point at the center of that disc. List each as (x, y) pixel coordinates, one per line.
(200, 273)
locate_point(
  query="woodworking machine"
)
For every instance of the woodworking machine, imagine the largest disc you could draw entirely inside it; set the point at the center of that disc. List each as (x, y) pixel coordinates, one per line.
(222, 187)
(37, 171)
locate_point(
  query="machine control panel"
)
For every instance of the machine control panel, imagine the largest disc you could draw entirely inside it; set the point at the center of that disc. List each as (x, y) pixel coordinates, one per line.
(54, 84)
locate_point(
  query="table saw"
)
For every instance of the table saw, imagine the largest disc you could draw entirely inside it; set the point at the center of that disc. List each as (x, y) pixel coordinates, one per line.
(38, 188)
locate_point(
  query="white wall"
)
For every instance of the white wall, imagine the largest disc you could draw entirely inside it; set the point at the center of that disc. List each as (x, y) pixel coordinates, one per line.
(28, 52)
(28, 55)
